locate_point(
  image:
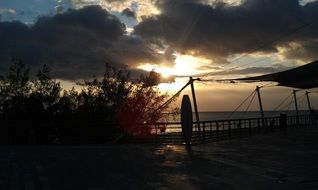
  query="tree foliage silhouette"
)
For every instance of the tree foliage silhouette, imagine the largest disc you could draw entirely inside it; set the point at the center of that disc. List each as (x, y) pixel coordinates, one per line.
(103, 109)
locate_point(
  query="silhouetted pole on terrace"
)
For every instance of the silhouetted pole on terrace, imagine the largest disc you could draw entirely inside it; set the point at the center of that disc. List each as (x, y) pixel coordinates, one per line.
(195, 102)
(308, 100)
(296, 107)
(260, 103)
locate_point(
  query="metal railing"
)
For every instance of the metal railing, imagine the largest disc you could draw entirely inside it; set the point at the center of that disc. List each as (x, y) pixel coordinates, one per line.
(171, 132)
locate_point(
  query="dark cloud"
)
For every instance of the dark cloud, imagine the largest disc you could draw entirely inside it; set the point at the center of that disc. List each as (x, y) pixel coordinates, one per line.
(305, 50)
(129, 13)
(91, 19)
(76, 43)
(220, 30)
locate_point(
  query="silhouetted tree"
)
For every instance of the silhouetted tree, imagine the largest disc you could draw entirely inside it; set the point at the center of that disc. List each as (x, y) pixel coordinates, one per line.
(143, 107)
(150, 80)
(112, 104)
(45, 91)
(3, 96)
(106, 94)
(16, 89)
(68, 102)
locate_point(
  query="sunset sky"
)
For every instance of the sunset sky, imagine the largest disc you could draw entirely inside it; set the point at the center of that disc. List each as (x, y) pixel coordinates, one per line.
(213, 39)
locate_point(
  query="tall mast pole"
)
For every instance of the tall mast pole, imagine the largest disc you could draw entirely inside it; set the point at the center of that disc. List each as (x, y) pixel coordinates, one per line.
(195, 103)
(260, 101)
(296, 107)
(308, 100)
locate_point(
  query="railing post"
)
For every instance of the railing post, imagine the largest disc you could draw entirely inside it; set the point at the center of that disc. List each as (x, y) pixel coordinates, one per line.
(240, 127)
(314, 118)
(217, 130)
(266, 125)
(283, 121)
(308, 123)
(203, 132)
(249, 127)
(229, 129)
(271, 125)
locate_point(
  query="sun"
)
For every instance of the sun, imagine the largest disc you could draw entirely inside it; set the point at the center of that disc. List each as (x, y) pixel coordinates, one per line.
(166, 72)
(184, 65)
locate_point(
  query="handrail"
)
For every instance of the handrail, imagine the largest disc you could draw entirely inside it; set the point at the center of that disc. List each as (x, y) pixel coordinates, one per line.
(225, 120)
(214, 130)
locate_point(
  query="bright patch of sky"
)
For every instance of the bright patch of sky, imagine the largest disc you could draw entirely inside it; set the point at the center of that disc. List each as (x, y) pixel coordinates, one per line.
(304, 2)
(29, 11)
(129, 21)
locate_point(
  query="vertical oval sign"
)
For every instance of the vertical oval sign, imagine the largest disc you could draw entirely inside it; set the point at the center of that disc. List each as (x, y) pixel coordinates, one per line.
(186, 118)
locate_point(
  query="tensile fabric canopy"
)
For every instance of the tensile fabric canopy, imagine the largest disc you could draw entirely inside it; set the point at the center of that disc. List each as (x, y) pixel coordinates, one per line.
(303, 77)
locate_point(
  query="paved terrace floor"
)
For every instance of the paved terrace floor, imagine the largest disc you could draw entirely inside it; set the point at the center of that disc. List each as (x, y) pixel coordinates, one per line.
(273, 161)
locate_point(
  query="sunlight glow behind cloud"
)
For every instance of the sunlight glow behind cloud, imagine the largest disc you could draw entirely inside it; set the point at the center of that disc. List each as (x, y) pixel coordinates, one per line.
(141, 7)
(185, 65)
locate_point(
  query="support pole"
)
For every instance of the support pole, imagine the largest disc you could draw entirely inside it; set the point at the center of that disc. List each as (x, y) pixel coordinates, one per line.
(260, 102)
(296, 107)
(195, 103)
(311, 112)
(308, 101)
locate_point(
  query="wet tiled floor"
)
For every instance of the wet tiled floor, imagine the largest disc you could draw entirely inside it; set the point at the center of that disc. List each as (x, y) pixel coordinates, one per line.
(283, 160)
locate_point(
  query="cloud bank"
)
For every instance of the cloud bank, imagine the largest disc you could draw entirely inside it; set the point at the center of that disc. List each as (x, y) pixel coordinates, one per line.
(76, 43)
(218, 30)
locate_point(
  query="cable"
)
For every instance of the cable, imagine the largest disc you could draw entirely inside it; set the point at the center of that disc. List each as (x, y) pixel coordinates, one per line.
(174, 96)
(248, 106)
(289, 105)
(241, 104)
(302, 99)
(284, 100)
(235, 67)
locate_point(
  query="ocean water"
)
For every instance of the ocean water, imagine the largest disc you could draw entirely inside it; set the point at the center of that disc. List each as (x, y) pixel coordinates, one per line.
(211, 116)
